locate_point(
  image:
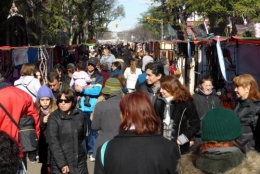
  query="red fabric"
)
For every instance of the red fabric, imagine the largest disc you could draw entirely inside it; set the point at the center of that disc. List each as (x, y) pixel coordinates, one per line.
(18, 103)
(171, 70)
(214, 145)
(105, 77)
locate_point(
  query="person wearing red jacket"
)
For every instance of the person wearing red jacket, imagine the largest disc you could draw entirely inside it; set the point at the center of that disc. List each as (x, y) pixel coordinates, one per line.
(18, 103)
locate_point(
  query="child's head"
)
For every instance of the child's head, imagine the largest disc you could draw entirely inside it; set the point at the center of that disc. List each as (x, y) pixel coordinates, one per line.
(81, 66)
(44, 96)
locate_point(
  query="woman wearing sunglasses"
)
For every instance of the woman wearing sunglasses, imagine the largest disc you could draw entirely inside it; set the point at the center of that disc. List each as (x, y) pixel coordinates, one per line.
(66, 130)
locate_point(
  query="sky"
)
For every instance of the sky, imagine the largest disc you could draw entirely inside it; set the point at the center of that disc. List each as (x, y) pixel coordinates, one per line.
(133, 9)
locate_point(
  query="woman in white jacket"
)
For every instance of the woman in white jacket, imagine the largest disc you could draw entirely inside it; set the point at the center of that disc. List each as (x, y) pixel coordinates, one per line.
(131, 74)
(27, 82)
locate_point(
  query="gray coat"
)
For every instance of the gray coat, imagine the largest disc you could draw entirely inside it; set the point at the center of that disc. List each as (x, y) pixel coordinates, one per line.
(106, 119)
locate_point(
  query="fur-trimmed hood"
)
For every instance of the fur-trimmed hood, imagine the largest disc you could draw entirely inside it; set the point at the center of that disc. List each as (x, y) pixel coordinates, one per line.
(249, 165)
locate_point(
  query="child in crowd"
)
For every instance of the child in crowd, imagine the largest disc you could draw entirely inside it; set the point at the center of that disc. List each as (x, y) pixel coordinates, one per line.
(45, 105)
(81, 78)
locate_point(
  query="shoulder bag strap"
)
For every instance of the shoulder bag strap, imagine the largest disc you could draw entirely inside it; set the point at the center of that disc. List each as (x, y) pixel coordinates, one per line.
(28, 88)
(8, 114)
(103, 150)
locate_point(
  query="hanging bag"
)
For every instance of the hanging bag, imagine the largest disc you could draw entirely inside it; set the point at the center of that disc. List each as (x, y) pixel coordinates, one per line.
(27, 133)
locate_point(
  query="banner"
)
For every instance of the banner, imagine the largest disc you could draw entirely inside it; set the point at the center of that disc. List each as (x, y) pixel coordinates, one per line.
(19, 57)
(221, 60)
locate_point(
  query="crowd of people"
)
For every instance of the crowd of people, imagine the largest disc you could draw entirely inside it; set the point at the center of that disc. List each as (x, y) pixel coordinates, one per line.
(127, 113)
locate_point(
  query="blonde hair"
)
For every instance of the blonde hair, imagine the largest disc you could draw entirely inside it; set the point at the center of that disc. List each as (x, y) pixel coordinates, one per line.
(28, 69)
(245, 80)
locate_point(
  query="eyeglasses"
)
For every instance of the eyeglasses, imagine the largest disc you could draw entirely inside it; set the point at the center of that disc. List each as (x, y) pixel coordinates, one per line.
(62, 100)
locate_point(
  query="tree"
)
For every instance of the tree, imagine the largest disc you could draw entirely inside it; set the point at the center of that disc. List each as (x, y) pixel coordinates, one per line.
(105, 12)
(219, 13)
(154, 27)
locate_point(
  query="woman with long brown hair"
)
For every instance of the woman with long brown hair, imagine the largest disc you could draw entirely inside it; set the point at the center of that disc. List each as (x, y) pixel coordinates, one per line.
(247, 108)
(139, 148)
(131, 74)
(177, 111)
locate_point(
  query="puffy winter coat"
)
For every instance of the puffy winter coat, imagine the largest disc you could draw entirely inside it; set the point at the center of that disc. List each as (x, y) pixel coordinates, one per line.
(65, 134)
(249, 164)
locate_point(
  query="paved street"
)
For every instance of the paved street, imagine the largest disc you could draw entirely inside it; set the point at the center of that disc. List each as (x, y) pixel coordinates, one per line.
(34, 168)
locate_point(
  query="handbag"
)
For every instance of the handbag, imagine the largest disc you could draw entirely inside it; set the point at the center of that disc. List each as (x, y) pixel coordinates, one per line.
(27, 133)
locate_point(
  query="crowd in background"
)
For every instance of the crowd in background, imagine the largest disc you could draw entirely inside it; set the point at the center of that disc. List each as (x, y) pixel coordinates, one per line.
(125, 111)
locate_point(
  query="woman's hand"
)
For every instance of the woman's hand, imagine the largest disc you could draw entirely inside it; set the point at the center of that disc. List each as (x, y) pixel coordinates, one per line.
(45, 118)
(65, 169)
(178, 142)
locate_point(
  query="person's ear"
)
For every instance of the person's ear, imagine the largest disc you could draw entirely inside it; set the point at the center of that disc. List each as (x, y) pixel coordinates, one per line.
(159, 76)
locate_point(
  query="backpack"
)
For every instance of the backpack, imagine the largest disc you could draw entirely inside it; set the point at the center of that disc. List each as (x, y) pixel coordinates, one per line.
(27, 133)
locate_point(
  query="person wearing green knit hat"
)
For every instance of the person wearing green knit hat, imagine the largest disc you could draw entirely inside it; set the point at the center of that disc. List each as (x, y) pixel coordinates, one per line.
(221, 150)
(106, 117)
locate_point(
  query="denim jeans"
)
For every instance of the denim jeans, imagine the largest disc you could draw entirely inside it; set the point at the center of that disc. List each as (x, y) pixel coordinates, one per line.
(92, 135)
(21, 168)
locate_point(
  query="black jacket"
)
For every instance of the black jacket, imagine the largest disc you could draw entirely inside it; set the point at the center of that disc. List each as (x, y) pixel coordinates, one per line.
(149, 90)
(128, 153)
(43, 144)
(248, 112)
(205, 103)
(65, 135)
(185, 118)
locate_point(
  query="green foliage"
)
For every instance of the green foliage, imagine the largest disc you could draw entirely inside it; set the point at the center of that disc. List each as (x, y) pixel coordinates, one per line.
(58, 21)
(154, 27)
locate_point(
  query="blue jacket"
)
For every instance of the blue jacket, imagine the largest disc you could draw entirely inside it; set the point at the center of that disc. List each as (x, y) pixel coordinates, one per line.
(116, 72)
(92, 93)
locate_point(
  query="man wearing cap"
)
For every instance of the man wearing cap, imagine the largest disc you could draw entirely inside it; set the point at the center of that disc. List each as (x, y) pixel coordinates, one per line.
(93, 94)
(107, 58)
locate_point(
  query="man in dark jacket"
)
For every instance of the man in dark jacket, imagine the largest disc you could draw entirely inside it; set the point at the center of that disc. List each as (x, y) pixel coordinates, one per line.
(93, 94)
(154, 72)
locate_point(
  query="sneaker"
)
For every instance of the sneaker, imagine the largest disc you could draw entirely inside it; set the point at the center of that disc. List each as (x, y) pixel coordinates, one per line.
(91, 158)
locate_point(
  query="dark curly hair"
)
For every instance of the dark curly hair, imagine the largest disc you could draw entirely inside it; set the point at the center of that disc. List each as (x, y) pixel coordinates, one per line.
(9, 158)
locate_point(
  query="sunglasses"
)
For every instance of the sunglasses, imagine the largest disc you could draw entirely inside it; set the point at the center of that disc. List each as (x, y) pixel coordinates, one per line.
(62, 100)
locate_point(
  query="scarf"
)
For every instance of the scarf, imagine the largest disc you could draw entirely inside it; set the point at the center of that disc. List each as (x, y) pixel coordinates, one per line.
(167, 117)
(214, 145)
(45, 111)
